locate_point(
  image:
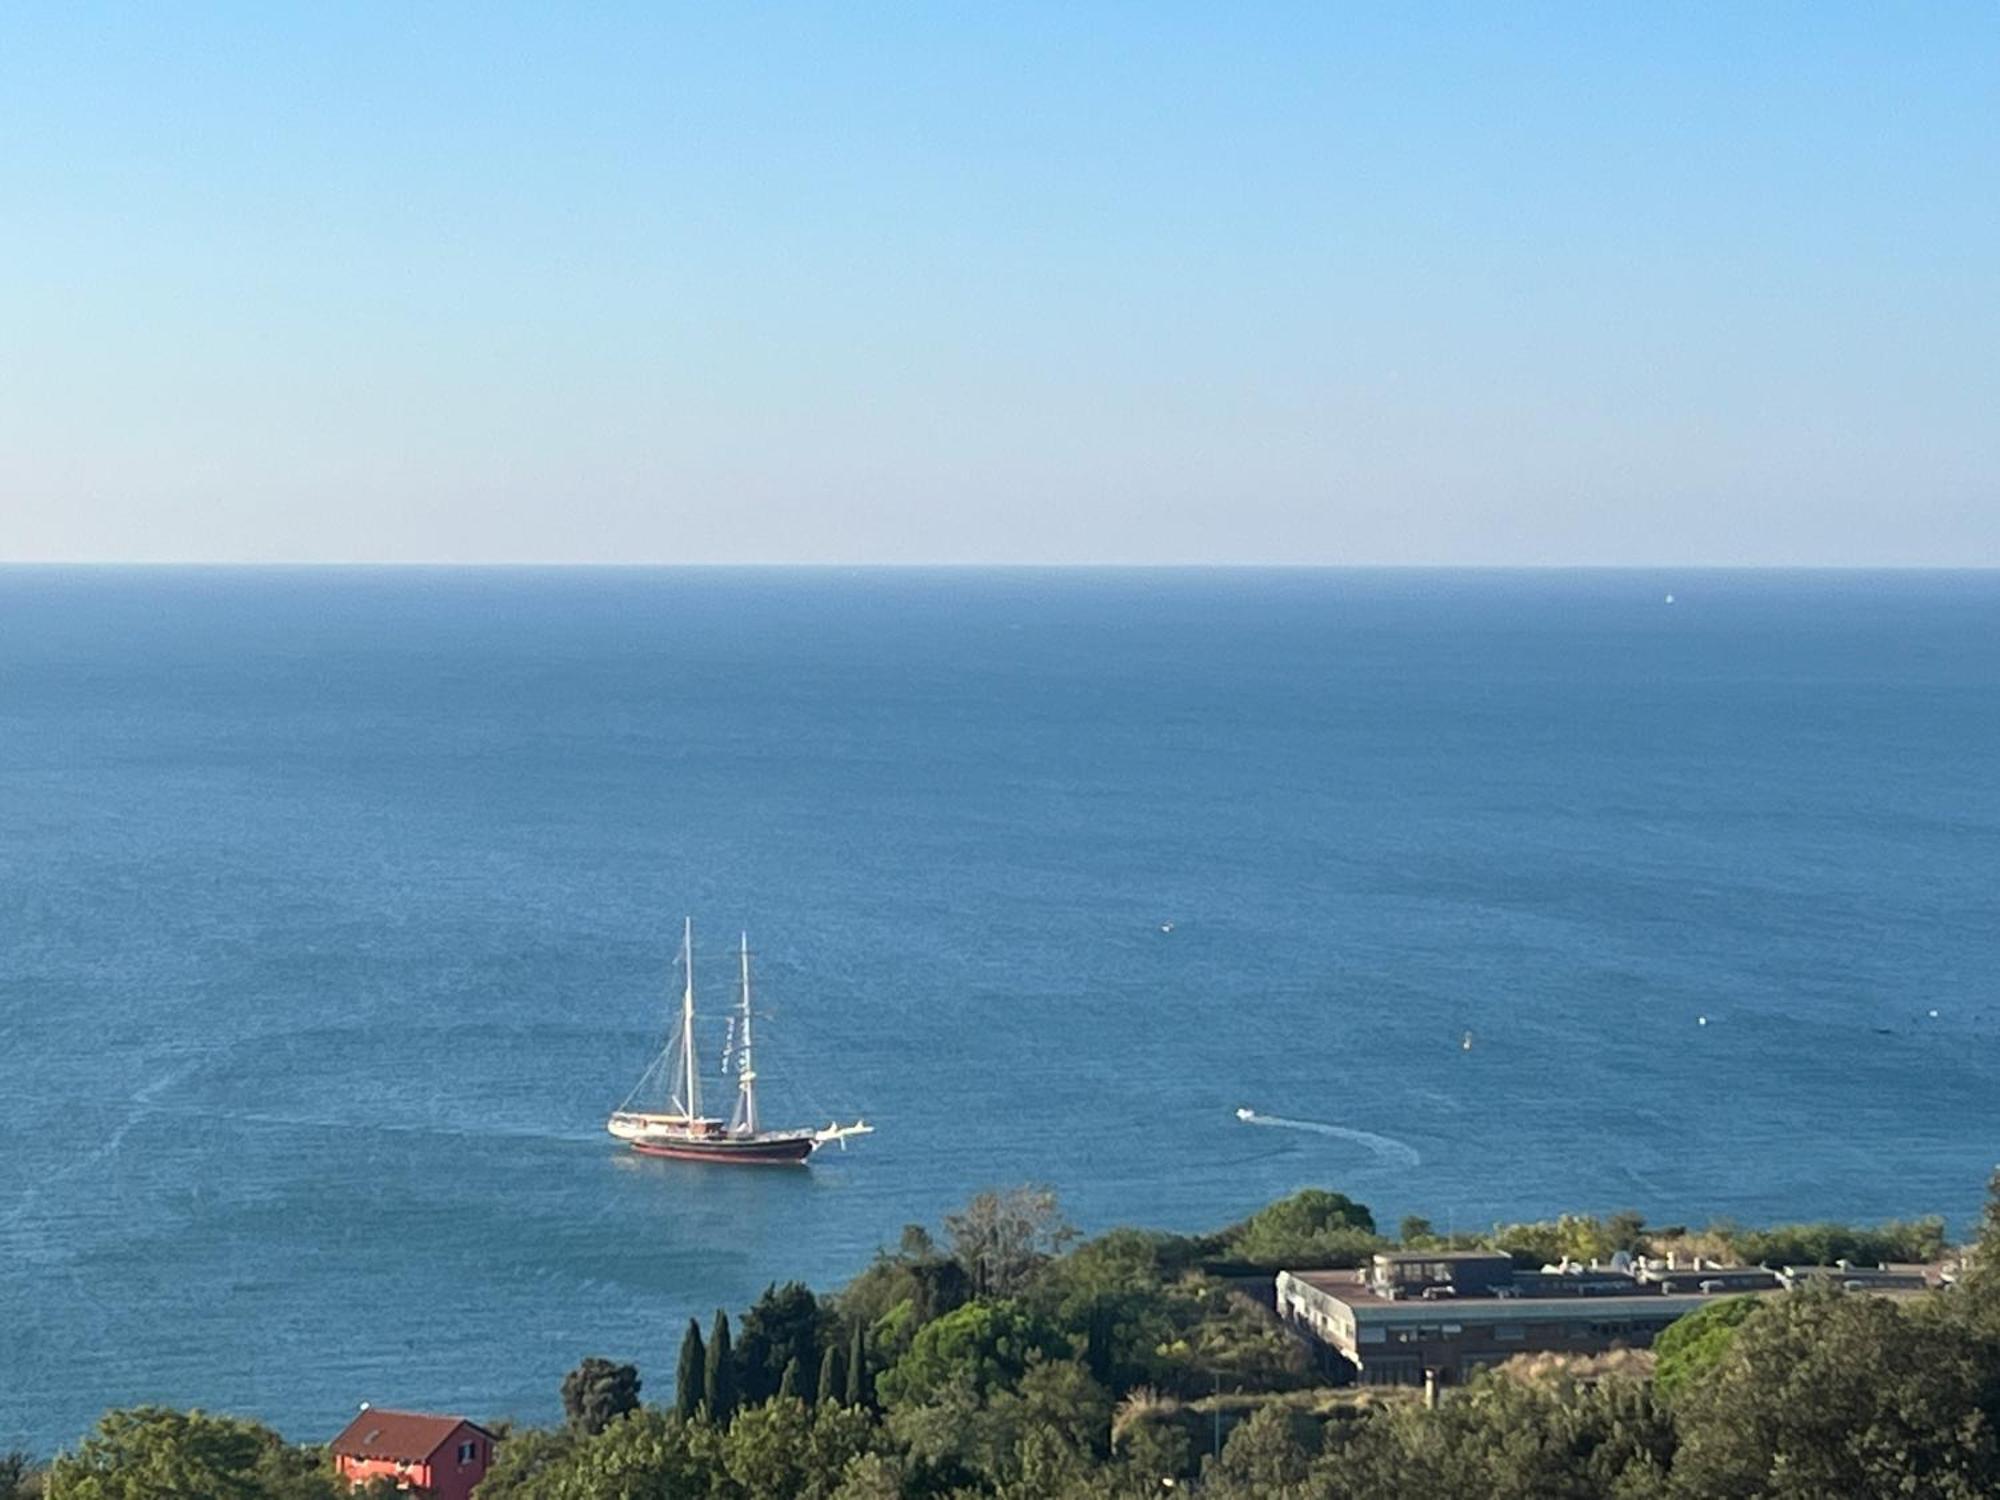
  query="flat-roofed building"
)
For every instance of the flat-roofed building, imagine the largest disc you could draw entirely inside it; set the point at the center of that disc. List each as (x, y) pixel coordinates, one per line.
(1413, 1316)
(1401, 1341)
(1723, 1281)
(1416, 1272)
(1887, 1280)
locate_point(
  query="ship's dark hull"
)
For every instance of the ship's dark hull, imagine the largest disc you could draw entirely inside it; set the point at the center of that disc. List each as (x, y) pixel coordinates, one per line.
(766, 1151)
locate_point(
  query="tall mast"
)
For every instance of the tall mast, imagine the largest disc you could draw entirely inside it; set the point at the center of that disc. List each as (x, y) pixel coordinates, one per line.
(692, 1098)
(746, 1075)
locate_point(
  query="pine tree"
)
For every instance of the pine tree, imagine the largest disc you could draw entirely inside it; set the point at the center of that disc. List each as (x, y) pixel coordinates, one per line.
(691, 1380)
(785, 1323)
(597, 1392)
(860, 1380)
(832, 1378)
(788, 1383)
(719, 1384)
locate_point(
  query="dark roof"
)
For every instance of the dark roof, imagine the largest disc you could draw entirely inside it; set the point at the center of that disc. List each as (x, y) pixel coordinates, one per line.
(1727, 1278)
(409, 1436)
(1399, 1257)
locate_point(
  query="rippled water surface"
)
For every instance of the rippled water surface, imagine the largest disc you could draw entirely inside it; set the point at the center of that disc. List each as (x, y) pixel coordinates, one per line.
(337, 907)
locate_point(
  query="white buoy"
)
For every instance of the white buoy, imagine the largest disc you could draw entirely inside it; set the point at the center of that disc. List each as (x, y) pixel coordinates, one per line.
(1166, 927)
(1670, 598)
(1701, 1020)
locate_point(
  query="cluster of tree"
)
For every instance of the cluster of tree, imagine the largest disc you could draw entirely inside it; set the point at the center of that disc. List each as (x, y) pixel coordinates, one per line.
(1799, 1397)
(1010, 1361)
(154, 1453)
(1316, 1230)
(1828, 1244)
(19, 1478)
(1006, 1359)
(1814, 1394)
(1007, 1362)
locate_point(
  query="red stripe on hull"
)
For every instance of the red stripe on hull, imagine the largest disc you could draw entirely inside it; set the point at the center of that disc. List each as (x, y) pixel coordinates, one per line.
(761, 1154)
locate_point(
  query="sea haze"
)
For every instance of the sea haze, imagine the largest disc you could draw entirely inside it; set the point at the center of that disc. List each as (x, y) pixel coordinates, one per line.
(337, 907)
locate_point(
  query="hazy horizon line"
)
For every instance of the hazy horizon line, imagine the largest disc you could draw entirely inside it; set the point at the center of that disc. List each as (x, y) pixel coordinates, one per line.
(961, 565)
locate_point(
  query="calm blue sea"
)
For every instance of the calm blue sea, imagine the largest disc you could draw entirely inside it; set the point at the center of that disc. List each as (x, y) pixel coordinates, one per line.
(337, 907)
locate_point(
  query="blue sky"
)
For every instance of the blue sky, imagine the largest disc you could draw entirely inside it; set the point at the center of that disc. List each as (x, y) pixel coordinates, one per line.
(1036, 283)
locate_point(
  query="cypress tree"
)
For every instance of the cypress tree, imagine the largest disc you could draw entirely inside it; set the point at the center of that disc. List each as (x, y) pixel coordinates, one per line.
(860, 1382)
(788, 1383)
(691, 1380)
(832, 1378)
(719, 1384)
(1097, 1344)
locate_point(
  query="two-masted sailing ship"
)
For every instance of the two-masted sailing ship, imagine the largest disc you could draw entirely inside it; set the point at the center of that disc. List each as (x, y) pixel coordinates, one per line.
(682, 1130)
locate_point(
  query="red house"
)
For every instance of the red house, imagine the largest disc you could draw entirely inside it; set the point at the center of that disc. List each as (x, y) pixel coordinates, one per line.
(436, 1456)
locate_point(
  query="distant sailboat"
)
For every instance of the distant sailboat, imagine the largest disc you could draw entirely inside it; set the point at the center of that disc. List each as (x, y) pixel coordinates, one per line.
(682, 1131)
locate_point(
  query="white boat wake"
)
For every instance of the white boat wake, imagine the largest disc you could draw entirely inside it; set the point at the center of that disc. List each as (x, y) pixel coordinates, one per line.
(137, 1109)
(481, 1130)
(1386, 1147)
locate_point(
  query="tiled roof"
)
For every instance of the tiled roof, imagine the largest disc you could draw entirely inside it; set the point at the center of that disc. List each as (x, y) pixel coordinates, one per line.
(408, 1436)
